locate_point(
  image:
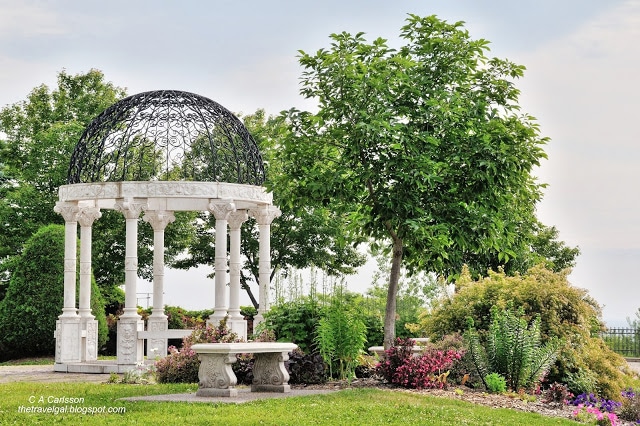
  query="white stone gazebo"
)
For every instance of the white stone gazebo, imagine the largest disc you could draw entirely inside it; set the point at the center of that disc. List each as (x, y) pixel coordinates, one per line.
(150, 155)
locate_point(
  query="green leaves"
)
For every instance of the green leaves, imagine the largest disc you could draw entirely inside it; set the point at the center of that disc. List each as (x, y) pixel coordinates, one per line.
(513, 349)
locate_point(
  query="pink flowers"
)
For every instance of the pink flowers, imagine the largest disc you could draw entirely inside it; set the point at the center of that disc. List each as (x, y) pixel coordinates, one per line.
(589, 414)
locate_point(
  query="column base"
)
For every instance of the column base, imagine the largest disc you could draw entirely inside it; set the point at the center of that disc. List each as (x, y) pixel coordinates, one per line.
(89, 339)
(68, 337)
(238, 326)
(130, 348)
(157, 346)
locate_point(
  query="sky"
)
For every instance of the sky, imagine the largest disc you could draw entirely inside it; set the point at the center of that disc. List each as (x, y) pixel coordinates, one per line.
(582, 85)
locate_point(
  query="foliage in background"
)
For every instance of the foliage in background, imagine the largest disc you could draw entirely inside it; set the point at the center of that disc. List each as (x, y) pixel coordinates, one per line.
(565, 312)
(495, 383)
(303, 236)
(513, 350)
(340, 336)
(295, 322)
(35, 297)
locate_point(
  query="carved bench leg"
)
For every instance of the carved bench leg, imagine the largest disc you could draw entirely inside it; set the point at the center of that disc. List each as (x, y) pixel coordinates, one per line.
(216, 376)
(269, 373)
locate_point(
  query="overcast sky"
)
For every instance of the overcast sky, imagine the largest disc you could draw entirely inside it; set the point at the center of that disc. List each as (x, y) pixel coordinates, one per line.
(581, 83)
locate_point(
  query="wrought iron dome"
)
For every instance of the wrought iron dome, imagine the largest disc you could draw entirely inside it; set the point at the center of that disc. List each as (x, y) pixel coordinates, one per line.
(166, 135)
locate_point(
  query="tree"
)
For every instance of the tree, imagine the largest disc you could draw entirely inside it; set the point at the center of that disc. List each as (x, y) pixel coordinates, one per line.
(40, 134)
(303, 236)
(34, 298)
(423, 148)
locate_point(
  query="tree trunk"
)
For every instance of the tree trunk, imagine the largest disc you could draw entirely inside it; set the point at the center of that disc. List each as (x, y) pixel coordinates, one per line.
(394, 278)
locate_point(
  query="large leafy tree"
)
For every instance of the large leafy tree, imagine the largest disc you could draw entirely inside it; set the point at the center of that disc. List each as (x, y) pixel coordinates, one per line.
(37, 137)
(424, 147)
(303, 236)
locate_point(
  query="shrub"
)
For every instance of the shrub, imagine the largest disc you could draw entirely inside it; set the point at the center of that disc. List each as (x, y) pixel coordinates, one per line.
(565, 312)
(557, 393)
(340, 338)
(630, 409)
(513, 350)
(462, 372)
(181, 366)
(427, 370)
(306, 368)
(295, 322)
(394, 357)
(495, 383)
(35, 297)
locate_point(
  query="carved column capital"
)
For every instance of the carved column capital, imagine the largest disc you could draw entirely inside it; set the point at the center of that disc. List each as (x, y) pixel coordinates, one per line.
(158, 219)
(69, 211)
(265, 215)
(88, 215)
(131, 207)
(237, 218)
(222, 209)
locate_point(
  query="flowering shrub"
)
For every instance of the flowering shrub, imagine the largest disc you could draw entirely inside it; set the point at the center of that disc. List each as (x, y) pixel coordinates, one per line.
(593, 415)
(590, 400)
(181, 366)
(428, 370)
(630, 409)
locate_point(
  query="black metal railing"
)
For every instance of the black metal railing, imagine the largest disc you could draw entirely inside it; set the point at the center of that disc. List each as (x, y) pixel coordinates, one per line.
(625, 341)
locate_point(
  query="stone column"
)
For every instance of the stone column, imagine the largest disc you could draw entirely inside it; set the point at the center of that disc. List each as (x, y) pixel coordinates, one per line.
(130, 348)
(221, 211)
(86, 217)
(237, 323)
(264, 216)
(68, 331)
(157, 322)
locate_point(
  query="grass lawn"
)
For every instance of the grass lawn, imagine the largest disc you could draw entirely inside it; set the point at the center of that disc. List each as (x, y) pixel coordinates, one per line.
(347, 407)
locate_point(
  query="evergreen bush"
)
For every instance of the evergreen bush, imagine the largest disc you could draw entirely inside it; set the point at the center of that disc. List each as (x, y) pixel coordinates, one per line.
(35, 297)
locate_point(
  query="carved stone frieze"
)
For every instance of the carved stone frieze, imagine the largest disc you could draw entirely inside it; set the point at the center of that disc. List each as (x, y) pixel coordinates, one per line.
(216, 372)
(269, 369)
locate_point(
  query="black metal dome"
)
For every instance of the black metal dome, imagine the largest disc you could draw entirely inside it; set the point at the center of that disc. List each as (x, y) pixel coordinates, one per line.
(166, 135)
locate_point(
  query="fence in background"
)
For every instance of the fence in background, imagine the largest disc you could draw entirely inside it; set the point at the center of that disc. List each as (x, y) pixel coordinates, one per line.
(625, 341)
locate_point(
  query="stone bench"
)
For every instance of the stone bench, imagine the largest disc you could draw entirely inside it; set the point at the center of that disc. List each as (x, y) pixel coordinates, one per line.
(216, 377)
(416, 350)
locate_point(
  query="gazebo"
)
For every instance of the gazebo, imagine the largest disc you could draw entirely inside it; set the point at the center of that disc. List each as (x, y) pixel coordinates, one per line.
(153, 154)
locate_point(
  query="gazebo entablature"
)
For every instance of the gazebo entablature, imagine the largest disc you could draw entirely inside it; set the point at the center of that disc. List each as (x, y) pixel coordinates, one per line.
(156, 201)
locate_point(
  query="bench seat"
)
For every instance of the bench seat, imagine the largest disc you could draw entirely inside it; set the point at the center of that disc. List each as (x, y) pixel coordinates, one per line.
(216, 377)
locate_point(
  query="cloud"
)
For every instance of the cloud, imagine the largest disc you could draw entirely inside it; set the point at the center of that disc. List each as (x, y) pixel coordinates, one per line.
(27, 19)
(583, 89)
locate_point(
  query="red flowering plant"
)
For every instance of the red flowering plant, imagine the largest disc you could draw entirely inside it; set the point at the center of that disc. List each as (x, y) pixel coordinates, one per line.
(424, 371)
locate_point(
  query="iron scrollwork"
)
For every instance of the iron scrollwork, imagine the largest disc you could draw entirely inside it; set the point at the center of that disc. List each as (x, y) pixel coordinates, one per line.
(166, 135)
